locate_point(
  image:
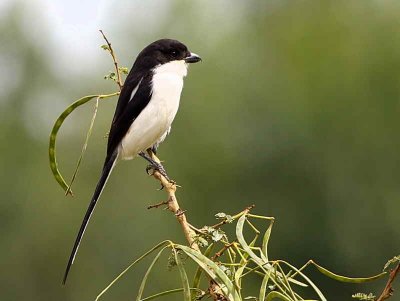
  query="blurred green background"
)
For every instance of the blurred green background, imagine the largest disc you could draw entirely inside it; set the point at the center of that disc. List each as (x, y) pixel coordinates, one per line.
(295, 108)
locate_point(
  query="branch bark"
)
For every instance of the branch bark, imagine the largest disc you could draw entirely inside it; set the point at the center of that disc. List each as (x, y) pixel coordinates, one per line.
(173, 206)
(388, 290)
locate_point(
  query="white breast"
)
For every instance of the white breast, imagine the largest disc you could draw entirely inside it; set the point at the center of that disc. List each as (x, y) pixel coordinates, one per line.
(156, 118)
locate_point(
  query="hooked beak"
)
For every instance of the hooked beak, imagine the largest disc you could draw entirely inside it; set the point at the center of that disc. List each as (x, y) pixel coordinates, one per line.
(192, 58)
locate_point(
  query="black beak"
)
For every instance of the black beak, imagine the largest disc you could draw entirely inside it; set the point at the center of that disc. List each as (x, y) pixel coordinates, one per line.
(192, 58)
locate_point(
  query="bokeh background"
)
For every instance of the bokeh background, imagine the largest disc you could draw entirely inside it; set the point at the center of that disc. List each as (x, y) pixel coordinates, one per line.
(295, 108)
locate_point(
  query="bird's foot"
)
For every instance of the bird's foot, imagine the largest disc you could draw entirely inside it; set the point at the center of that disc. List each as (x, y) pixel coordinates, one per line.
(153, 167)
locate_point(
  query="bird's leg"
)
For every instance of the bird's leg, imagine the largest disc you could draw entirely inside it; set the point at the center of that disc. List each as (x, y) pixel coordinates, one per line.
(154, 165)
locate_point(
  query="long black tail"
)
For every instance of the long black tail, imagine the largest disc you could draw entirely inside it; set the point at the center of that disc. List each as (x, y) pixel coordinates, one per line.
(107, 168)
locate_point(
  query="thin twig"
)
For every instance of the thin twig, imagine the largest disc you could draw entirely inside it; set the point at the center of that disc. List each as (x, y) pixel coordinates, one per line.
(388, 290)
(158, 205)
(221, 252)
(119, 81)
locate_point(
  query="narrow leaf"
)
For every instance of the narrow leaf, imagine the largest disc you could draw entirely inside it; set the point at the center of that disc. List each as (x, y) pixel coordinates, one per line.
(199, 271)
(343, 278)
(278, 295)
(244, 263)
(266, 239)
(143, 284)
(53, 135)
(184, 278)
(176, 290)
(131, 265)
(316, 289)
(243, 243)
(213, 271)
(263, 288)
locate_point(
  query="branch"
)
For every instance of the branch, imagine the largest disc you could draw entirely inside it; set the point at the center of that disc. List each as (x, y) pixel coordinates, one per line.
(173, 206)
(110, 49)
(388, 290)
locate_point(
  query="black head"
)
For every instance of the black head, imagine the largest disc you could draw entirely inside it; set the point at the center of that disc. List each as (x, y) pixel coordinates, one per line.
(164, 51)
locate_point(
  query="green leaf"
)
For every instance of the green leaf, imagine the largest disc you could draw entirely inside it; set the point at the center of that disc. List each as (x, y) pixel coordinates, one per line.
(201, 241)
(364, 297)
(395, 259)
(111, 75)
(143, 284)
(260, 262)
(285, 283)
(220, 215)
(266, 239)
(105, 47)
(263, 288)
(238, 274)
(245, 246)
(213, 271)
(184, 278)
(53, 136)
(217, 235)
(168, 292)
(199, 271)
(123, 70)
(277, 295)
(225, 269)
(316, 289)
(343, 278)
(131, 265)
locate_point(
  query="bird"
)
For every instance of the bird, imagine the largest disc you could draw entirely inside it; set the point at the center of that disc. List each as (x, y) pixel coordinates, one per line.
(146, 108)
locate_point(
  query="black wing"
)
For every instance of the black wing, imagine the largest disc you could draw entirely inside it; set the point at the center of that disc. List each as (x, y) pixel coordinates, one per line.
(128, 109)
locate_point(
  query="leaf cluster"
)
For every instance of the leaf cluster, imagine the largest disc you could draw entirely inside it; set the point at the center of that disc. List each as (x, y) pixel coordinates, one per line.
(236, 263)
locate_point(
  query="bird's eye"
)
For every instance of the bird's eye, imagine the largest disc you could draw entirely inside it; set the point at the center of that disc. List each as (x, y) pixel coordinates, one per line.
(174, 53)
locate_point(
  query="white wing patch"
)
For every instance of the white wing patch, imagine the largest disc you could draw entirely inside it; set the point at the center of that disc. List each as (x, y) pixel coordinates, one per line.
(135, 90)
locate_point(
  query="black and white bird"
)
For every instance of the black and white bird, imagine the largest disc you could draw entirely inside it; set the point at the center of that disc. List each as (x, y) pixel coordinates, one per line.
(147, 105)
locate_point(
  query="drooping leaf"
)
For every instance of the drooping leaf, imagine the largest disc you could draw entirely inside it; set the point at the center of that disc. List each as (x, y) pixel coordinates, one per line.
(156, 247)
(308, 280)
(199, 271)
(213, 271)
(53, 135)
(344, 278)
(243, 243)
(146, 275)
(184, 278)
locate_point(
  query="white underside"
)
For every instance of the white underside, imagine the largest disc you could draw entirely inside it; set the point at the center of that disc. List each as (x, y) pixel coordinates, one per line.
(154, 122)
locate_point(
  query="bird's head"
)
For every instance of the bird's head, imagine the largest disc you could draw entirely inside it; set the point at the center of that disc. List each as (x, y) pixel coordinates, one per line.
(165, 51)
